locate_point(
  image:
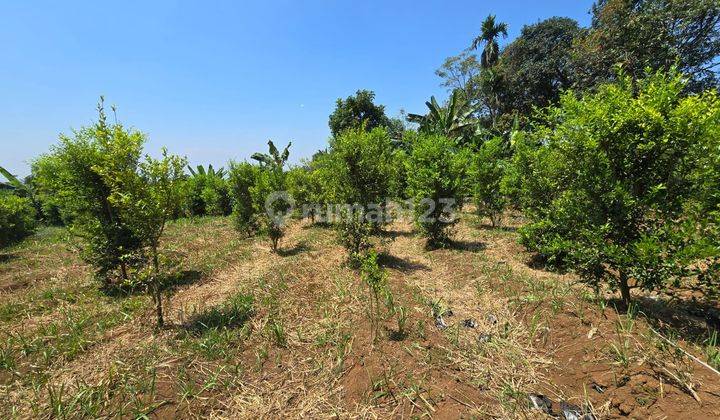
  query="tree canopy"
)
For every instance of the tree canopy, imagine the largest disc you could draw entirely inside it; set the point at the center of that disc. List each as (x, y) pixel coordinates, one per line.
(356, 111)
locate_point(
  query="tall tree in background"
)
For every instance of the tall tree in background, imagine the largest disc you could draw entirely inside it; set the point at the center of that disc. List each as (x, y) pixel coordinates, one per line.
(460, 73)
(537, 65)
(357, 111)
(490, 31)
(658, 34)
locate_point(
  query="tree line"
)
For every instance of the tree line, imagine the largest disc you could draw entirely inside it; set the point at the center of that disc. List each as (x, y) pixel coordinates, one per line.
(606, 139)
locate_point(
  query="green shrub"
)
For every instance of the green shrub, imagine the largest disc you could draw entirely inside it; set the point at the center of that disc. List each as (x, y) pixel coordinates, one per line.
(359, 171)
(76, 174)
(300, 187)
(435, 171)
(216, 197)
(270, 209)
(194, 204)
(375, 277)
(207, 193)
(621, 184)
(147, 197)
(486, 179)
(242, 177)
(271, 205)
(17, 218)
(354, 234)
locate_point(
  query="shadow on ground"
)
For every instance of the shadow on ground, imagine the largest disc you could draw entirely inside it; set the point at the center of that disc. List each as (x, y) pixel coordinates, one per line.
(392, 234)
(232, 314)
(299, 248)
(7, 258)
(471, 246)
(405, 265)
(486, 226)
(691, 320)
(174, 281)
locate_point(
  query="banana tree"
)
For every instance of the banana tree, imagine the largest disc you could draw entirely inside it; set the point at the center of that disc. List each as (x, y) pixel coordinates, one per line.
(275, 158)
(13, 183)
(453, 120)
(200, 170)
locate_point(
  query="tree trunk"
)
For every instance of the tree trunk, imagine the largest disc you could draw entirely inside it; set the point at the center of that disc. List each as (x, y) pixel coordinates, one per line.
(624, 288)
(123, 270)
(158, 306)
(157, 292)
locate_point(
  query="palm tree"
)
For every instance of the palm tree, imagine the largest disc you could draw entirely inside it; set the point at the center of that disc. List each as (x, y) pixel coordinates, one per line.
(489, 34)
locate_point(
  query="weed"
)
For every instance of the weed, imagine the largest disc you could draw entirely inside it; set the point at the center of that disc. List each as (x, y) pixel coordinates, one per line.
(712, 351)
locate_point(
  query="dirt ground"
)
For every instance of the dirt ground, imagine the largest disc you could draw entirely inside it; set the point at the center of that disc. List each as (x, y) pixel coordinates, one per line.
(254, 334)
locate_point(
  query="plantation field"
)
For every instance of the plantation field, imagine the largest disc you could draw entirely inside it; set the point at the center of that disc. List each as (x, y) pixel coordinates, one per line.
(250, 333)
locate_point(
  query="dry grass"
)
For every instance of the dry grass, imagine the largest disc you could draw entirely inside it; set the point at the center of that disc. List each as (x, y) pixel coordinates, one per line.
(255, 334)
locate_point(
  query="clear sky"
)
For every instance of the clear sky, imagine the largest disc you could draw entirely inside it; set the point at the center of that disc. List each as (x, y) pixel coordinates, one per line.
(214, 80)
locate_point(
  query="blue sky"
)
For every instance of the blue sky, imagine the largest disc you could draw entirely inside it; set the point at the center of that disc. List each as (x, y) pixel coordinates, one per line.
(214, 80)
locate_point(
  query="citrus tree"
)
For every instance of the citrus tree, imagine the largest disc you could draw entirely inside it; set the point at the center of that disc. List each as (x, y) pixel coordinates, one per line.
(486, 177)
(621, 185)
(147, 198)
(360, 173)
(271, 203)
(76, 172)
(242, 177)
(435, 171)
(17, 218)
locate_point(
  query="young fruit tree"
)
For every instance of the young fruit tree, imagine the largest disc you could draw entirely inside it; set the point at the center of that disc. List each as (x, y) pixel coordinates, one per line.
(435, 170)
(17, 218)
(147, 199)
(375, 277)
(486, 177)
(360, 173)
(75, 174)
(271, 203)
(621, 185)
(242, 178)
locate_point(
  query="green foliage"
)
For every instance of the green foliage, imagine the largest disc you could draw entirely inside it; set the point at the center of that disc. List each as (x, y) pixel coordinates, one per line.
(269, 182)
(490, 31)
(17, 218)
(14, 183)
(76, 174)
(242, 177)
(537, 66)
(354, 234)
(360, 167)
(375, 277)
(453, 120)
(658, 34)
(621, 184)
(460, 73)
(302, 187)
(272, 209)
(147, 198)
(359, 171)
(216, 196)
(486, 177)
(358, 111)
(207, 192)
(200, 170)
(274, 158)
(435, 170)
